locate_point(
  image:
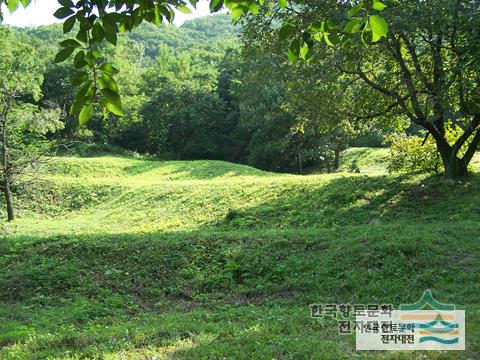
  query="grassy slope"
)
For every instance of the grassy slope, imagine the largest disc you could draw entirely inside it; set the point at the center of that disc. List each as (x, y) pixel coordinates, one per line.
(130, 258)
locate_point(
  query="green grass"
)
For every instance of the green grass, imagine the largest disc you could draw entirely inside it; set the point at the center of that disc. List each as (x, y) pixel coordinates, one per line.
(364, 160)
(124, 258)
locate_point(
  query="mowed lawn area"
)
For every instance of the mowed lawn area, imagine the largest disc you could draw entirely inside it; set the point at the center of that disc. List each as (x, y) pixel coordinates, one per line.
(133, 258)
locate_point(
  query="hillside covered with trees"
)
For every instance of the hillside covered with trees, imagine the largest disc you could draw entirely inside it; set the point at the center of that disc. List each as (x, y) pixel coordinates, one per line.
(193, 93)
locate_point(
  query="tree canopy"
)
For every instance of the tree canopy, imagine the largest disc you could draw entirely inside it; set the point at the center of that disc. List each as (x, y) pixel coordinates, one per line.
(101, 20)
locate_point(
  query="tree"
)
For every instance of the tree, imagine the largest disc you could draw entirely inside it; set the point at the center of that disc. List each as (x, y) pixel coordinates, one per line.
(264, 126)
(428, 68)
(22, 125)
(101, 20)
(184, 121)
(425, 69)
(325, 107)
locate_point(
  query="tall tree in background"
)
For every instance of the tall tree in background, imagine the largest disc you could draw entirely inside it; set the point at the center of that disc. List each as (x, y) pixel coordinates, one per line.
(22, 125)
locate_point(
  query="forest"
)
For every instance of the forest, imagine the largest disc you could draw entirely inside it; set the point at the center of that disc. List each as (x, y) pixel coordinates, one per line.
(241, 186)
(195, 93)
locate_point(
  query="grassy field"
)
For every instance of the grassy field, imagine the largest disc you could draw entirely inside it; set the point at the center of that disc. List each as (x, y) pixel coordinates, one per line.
(125, 258)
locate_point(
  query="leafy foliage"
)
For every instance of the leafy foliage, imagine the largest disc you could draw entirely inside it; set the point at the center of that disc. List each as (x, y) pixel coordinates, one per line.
(97, 25)
(418, 153)
(413, 153)
(23, 126)
(422, 70)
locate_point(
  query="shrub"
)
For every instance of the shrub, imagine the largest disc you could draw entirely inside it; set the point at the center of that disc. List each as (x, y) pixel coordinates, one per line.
(414, 153)
(409, 153)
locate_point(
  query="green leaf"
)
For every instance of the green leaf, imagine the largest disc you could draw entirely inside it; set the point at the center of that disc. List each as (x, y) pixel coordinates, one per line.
(367, 36)
(378, 5)
(379, 27)
(66, 3)
(237, 12)
(282, 3)
(80, 78)
(82, 36)
(12, 5)
(63, 12)
(318, 26)
(63, 54)
(286, 31)
(79, 60)
(112, 102)
(331, 25)
(294, 50)
(89, 58)
(157, 17)
(84, 95)
(182, 8)
(69, 24)
(353, 25)
(304, 50)
(114, 108)
(85, 114)
(354, 10)
(215, 5)
(70, 43)
(107, 82)
(109, 24)
(109, 69)
(327, 40)
(85, 24)
(96, 54)
(82, 90)
(97, 32)
(111, 38)
(112, 96)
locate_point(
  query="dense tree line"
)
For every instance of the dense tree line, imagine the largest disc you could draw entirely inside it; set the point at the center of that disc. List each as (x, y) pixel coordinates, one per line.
(195, 92)
(210, 90)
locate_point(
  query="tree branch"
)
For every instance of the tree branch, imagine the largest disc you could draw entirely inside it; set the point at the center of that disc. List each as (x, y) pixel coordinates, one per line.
(416, 63)
(466, 134)
(393, 94)
(407, 77)
(472, 148)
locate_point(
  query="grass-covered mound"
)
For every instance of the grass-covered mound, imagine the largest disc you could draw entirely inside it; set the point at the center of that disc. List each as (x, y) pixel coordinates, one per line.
(124, 258)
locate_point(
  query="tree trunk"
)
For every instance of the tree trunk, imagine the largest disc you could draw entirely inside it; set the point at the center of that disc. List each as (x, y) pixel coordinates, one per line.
(327, 164)
(8, 200)
(336, 159)
(300, 163)
(6, 167)
(455, 168)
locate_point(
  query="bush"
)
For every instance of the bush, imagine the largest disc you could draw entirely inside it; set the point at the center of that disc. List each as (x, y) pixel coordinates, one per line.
(407, 153)
(414, 153)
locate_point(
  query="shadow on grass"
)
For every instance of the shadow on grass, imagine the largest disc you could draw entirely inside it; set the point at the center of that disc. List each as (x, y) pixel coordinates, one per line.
(245, 332)
(204, 292)
(346, 226)
(358, 200)
(215, 290)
